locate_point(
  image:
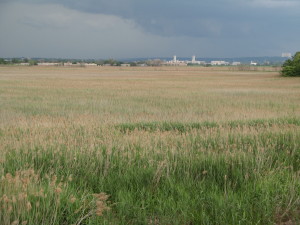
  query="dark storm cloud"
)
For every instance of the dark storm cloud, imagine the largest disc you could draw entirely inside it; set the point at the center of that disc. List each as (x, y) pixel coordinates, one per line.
(135, 28)
(194, 18)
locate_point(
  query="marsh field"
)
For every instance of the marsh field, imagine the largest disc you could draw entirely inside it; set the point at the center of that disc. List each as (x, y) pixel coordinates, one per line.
(164, 145)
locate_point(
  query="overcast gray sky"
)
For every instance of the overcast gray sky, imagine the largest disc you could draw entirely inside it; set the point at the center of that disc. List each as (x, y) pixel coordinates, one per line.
(148, 28)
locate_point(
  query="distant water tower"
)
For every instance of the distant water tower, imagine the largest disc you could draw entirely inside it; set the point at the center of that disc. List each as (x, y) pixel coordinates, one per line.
(174, 58)
(193, 59)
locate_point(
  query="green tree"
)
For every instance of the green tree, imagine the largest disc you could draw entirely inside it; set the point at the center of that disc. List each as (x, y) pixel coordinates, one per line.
(33, 62)
(110, 61)
(118, 63)
(291, 67)
(133, 64)
(15, 61)
(2, 61)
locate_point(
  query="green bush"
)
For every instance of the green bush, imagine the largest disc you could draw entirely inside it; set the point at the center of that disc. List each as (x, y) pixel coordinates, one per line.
(291, 67)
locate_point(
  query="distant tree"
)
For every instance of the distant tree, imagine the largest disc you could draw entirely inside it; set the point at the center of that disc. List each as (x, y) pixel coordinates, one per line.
(112, 62)
(33, 62)
(15, 61)
(100, 63)
(133, 64)
(2, 61)
(291, 67)
(118, 63)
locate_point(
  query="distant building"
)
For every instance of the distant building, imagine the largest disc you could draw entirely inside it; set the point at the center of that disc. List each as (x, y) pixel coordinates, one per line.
(193, 59)
(195, 62)
(69, 64)
(286, 55)
(90, 64)
(175, 62)
(236, 63)
(142, 64)
(125, 65)
(24, 64)
(253, 63)
(219, 63)
(49, 64)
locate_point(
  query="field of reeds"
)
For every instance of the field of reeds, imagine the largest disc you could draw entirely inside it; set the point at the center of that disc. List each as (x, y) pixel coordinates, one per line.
(148, 145)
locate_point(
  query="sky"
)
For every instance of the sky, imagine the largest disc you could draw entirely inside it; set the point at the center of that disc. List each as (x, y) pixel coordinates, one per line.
(101, 29)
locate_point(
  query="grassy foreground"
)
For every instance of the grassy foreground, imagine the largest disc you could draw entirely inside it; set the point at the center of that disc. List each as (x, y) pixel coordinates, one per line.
(148, 146)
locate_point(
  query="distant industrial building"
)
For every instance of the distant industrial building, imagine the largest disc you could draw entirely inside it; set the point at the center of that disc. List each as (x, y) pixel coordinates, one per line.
(90, 64)
(236, 63)
(69, 64)
(175, 62)
(125, 65)
(286, 55)
(49, 64)
(82, 64)
(195, 62)
(219, 63)
(142, 64)
(193, 59)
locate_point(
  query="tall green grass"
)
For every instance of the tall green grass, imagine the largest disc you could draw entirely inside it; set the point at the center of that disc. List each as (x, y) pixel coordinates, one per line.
(201, 178)
(185, 127)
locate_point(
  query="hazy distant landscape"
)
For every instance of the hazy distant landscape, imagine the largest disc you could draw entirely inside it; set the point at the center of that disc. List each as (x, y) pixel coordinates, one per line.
(152, 145)
(156, 61)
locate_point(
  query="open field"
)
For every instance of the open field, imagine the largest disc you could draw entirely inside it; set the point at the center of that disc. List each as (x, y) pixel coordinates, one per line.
(164, 145)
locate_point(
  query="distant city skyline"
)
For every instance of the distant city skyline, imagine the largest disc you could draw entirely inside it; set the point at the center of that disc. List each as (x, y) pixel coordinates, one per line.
(133, 28)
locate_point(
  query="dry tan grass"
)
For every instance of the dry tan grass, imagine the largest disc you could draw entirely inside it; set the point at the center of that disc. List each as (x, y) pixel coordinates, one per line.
(53, 103)
(113, 95)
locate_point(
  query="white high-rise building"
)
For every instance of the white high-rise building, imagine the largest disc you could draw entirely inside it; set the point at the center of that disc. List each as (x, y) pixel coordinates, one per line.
(193, 59)
(174, 58)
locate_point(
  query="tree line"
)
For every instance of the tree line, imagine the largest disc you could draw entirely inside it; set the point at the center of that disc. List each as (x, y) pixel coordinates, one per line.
(291, 67)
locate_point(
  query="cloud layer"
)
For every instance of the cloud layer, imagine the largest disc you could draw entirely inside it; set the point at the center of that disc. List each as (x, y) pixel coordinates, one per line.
(135, 28)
